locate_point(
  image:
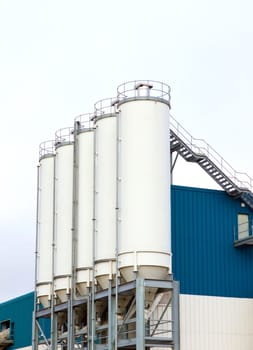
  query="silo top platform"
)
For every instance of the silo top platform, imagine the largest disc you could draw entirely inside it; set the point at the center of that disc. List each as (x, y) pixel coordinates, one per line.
(84, 122)
(64, 136)
(107, 106)
(145, 90)
(47, 149)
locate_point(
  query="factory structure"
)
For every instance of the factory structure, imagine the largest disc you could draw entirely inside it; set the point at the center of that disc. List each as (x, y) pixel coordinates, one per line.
(124, 258)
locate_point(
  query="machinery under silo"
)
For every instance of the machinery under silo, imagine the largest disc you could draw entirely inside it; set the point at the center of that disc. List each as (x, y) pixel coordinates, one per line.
(107, 234)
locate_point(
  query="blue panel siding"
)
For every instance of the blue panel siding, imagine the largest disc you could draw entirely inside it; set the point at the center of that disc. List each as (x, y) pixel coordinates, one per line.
(19, 311)
(205, 261)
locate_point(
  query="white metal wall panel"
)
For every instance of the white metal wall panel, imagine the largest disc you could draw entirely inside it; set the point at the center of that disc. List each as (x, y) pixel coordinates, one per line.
(215, 323)
(63, 219)
(85, 194)
(105, 199)
(45, 229)
(144, 189)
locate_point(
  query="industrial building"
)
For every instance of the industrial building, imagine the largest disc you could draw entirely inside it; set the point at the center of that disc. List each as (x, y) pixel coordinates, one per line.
(159, 265)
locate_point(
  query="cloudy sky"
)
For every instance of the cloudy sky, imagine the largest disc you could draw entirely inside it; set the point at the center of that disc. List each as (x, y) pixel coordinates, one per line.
(58, 57)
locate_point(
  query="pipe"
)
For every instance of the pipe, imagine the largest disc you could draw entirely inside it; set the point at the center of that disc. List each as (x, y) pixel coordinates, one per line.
(118, 140)
(34, 332)
(110, 317)
(93, 311)
(53, 325)
(74, 209)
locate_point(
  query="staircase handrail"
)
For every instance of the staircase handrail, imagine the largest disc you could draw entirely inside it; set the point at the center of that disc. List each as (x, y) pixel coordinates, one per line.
(201, 148)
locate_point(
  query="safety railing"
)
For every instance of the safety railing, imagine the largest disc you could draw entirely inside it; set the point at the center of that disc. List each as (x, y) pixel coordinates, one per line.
(159, 328)
(144, 88)
(153, 328)
(85, 121)
(105, 106)
(202, 148)
(64, 135)
(47, 148)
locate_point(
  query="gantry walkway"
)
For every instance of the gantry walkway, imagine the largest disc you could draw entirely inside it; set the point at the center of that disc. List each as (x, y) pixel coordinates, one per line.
(236, 184)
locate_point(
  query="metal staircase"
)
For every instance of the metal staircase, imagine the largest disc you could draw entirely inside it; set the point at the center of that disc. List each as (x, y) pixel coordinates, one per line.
(238, 185)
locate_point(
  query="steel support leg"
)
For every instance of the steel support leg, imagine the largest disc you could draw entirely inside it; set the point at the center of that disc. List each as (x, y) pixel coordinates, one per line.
(35, 332)
(175, 316)
(70, 326)
(111, 318)
(140, 321)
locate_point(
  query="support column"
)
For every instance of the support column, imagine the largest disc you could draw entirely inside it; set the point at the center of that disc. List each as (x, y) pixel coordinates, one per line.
(70, 321)
(53, 324)
(111, 318)
(140, 321)
(175, 316)
(35, 332)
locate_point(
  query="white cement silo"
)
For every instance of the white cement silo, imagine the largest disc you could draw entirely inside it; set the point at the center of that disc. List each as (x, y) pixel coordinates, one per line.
(144, 186)
(84, 173)
(45, 222)
(63, 213)
(105, 186)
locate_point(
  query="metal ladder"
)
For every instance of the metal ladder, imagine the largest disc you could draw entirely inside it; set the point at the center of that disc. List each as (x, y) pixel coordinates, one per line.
(236, 184)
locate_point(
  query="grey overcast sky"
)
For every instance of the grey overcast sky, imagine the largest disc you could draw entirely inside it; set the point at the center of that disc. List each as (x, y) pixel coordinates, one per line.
(58, 57)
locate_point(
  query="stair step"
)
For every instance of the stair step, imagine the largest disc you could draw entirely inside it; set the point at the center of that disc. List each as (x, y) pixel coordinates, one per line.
(212, 171)
(222, 181)
(228, 186)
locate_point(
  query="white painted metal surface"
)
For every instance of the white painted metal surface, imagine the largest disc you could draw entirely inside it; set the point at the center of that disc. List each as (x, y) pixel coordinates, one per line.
(85, 194)
(215, 323)
(45, 228)
(105, 199)
(144, 188)
(63, 217)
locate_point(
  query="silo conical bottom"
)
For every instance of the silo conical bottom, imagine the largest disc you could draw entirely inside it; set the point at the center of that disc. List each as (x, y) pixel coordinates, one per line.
(148, 272)
(103, 281)
(44, 293)
(105, 271)
(83, 281)
(43, 299)
(82, 288)
(62, 295)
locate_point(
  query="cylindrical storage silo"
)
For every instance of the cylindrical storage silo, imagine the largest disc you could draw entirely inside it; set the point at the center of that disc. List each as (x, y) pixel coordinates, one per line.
(105, 187)
(63, 213)
(84, 188)
(144, 186)
(45, 222)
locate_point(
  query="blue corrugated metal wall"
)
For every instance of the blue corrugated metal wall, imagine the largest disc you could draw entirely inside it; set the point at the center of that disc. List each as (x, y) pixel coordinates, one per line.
(205, 261)
(19, 311)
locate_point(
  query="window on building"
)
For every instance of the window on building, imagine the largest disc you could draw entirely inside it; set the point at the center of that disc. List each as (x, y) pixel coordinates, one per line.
(243, 226)
(5, 325)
